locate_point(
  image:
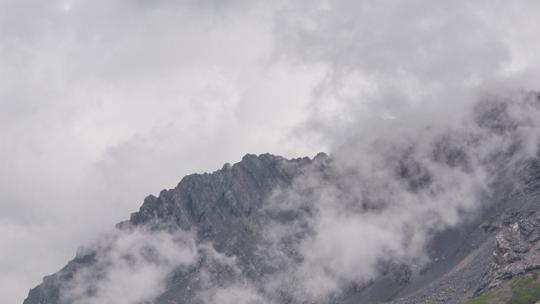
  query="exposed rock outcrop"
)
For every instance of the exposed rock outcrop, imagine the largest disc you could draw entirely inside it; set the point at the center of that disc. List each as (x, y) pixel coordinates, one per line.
(517, 250)
(225, 211)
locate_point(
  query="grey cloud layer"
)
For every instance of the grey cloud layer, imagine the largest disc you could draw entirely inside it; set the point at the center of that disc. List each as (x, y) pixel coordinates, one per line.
(106, 101)
(381, 201)
(345, 220)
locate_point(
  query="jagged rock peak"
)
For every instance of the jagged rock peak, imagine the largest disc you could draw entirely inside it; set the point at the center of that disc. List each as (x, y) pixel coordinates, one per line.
(247, 181)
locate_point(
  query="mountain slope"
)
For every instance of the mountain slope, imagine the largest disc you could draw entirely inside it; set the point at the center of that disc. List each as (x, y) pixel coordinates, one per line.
(441, 215)
(225, 208)
(217, 205)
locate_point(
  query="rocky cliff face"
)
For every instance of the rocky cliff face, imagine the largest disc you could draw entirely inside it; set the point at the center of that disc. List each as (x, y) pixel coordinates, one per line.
(440, 220)
(222, 208)
(499, 244)
(517, 249)
(225, 212)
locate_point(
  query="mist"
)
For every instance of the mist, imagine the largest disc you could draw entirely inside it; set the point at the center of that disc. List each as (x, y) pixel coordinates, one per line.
(376, 205)
(104, 102)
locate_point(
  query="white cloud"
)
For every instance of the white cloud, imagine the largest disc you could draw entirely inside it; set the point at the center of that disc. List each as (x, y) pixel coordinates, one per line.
(103, 101)
(112, 100)
(131, 267)
(380, 200)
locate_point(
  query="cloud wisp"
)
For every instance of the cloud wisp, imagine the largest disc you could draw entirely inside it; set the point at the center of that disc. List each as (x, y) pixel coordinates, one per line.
(377, 204)
(106, 101)
(369, 209)
(128, 266)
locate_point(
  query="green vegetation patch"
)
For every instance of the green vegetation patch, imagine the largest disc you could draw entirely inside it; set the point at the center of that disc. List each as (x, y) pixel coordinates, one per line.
(521, 290)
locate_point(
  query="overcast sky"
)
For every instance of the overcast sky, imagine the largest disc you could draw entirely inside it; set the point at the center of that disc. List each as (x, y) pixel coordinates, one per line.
(106, 101)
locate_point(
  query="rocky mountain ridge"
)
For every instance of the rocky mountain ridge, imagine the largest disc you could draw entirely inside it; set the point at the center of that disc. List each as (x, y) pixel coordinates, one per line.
(217, 205)
(226, 212)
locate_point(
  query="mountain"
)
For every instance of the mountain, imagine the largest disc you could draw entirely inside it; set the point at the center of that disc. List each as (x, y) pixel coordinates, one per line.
(224, 207)
(251, 232)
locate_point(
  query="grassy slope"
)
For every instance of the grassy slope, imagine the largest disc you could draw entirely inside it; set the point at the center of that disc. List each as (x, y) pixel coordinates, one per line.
(522, 290)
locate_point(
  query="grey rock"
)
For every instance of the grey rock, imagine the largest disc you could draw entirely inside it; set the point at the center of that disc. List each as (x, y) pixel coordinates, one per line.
(226, 208)
(221, 207)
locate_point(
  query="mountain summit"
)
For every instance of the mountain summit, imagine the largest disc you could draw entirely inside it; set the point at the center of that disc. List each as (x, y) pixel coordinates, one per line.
(442, 220)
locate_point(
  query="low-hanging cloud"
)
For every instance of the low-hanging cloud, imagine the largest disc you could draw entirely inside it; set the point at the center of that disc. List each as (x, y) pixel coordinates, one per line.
(129, 266)
(378, 203)
(423, 107)
(100, 99)
(425, 60)
(356, 215)
(104, 102)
